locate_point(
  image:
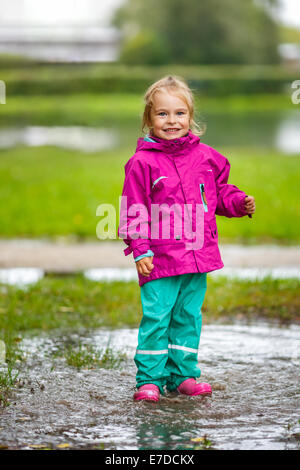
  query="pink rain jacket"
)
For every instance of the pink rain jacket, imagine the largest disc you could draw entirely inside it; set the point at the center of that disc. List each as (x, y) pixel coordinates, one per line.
(179, 171)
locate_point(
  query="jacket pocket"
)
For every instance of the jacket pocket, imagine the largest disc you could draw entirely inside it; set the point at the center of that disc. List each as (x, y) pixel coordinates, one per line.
(164, 189)
(157, 180)
(203, 197)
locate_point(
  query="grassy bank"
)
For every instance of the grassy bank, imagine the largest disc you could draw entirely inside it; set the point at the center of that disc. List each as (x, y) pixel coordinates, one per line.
(75, 302)
(36, 78)
(49, 191)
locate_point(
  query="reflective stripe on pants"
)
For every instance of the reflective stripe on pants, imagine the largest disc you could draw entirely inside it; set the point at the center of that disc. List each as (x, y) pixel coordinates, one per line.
(170, 330)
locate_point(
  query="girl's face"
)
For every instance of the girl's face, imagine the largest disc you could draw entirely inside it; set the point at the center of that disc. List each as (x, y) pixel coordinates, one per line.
(170, 116)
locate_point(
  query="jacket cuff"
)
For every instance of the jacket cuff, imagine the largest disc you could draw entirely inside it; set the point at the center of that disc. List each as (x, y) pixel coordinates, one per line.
(137, 247)
(241, 206)
(149, 253)
(141, 248)
(127, 251)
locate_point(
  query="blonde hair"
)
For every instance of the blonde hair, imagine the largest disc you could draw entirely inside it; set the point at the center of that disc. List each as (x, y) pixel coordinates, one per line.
(175, 85)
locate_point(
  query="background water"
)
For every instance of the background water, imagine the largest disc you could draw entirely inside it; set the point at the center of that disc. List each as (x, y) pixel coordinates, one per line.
(272, 130)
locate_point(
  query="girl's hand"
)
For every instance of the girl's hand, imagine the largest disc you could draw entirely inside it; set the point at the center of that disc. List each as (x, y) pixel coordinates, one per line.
(144, 266)
(249, 204)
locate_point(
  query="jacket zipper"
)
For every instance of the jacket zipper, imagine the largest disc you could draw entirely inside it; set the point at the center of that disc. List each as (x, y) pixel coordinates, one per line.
(190, 219)
(203, 197)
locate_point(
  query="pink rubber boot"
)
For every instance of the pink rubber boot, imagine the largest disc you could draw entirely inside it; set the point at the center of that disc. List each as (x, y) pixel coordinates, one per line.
(192, 388)
(149, 392)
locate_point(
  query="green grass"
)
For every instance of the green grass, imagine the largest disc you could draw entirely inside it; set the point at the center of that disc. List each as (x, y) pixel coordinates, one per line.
(7, 381)
(71, 302)
(50, 192)
(75, 302)
(79, 109)
(271, 178)
(38, 78)
(88, 357)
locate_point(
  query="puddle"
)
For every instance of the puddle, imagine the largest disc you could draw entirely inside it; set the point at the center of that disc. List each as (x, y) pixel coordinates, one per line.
(254, 372)
(111, 274)
(23, 277)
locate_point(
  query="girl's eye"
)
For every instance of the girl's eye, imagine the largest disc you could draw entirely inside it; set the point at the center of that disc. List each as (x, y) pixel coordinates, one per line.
(163, 113)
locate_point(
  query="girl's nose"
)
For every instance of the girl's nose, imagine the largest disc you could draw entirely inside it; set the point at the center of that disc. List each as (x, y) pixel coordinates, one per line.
(171, 119)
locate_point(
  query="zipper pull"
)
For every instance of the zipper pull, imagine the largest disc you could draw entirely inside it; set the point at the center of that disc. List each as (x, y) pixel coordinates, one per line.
(204, 197)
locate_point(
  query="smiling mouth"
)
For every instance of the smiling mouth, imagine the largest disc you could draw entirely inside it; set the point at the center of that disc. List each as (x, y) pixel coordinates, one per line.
(171, 130)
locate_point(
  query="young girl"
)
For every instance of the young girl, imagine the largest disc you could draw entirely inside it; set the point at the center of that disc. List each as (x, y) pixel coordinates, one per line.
(171, 168)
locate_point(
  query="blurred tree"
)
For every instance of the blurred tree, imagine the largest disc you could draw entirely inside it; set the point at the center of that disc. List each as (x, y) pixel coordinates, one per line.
(199, 32)
(146, 48)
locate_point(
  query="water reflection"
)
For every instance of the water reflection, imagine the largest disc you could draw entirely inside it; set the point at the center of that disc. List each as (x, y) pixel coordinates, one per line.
(165, 430)
(276, 130)
(86, 139)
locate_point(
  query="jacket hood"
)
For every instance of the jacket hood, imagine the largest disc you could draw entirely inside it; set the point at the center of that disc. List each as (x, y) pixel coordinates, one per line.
(169, 146)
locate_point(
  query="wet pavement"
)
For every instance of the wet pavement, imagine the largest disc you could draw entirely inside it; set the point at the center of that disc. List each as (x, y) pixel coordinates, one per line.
(64, 255)
(253, 369)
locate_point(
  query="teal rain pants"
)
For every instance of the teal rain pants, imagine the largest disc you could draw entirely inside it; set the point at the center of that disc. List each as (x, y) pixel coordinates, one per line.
(169, 333)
